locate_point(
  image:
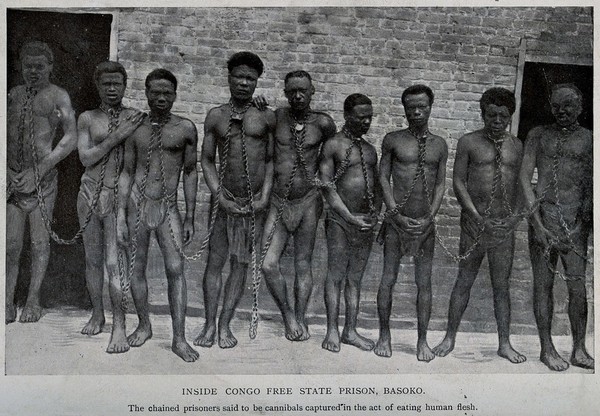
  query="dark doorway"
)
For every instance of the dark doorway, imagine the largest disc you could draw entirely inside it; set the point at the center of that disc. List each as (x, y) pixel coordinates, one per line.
(538, 79)
(79, 42)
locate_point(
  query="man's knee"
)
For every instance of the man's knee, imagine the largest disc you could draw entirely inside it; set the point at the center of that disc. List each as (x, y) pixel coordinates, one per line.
(576, 288)
(174, 267)
(303, 264)
(270, 265)
(40, 244)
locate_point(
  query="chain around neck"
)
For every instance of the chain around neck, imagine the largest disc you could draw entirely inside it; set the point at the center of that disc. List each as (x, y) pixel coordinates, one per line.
(349, 134)
(240, 113)
(111, 110)
(419, 136)
(159, 119)
(570, 128)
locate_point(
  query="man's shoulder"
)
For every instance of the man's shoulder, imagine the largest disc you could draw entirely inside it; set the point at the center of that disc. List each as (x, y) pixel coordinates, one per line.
(438, 141)
(397, 137)
(471, 138)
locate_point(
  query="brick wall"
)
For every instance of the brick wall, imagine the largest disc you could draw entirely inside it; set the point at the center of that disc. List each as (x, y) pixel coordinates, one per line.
(458, 52)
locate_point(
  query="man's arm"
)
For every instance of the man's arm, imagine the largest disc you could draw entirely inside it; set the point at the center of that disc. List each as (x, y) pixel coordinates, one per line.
(90, 154)
(461, 165)
(265, 192)
(190, 182)
(125, 183)
(69, 140)
(385, 171)
(440, 180)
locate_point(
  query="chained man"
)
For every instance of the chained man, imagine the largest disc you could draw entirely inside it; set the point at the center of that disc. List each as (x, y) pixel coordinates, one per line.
(415, 159)
(101, 134)
(155, 154)
(296, 203)
(243, 137)
(486, 170)
(562, 219)
(35, 111)
(349, 162)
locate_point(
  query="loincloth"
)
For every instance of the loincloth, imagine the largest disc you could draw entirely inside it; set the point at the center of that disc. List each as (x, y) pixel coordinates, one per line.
(153, 212)
(472, 229)
(410, 245)
(29, 202)
(106, 203)
(355, 237)
(239, 229)
(294, 210)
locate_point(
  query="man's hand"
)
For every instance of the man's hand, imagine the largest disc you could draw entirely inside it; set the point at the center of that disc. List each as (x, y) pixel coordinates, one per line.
(24, 181)
(411, 226)
(188, 231)
(260, 205)
(122, 230)
(260, 102)
(232, 207)
(363, 221)
(129, 124)
(542, 235)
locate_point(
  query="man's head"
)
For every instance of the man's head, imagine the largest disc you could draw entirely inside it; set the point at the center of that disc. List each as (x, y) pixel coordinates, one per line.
(161, 90)
(111, 79)
(244, 70)
(358, 113)
(299, 90)
(497, 107)
(417, 101)
(37, 62)
(566, 104)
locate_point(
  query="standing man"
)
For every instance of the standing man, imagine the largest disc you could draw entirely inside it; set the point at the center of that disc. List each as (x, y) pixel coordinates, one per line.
(296, 203)
(416, 161)
(155, 155)
(350, 163)
(561, 220)
(35, 111)
(486, 171)
(240, 188)
(101, 133)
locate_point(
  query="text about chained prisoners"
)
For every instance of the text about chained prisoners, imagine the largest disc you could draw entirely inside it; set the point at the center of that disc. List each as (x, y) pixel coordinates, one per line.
(305, 400)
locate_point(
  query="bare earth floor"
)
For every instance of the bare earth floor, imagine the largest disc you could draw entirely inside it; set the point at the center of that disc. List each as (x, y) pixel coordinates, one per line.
(54, 346)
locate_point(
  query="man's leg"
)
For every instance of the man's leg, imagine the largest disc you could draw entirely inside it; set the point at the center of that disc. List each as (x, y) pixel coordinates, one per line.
(93, 237)
(337, 265)
(169, 235)
(118, 339)
(234, 288)
(304, 244)
(139, 285)
(218, 249)
(543, 302)
(275, 281)
(578, 311)
(391, 265)
(459, 299)
(500, 259)
(14, 244)
(40, 256)
(359, 257)
(423, 267)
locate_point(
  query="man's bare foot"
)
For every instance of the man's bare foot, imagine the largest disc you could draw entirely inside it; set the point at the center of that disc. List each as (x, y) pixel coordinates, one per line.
(182, 349)
(445, 347)
(580, 358)
(383, 348)
(31, 313)
(140, 336)
(226, 338)
(206, 338)
(118, 341)
(352, 338)
(305, 333)
(508, 352)
(94, 325)
(293, 331)
(332, 341)
(554, 361)
(424, 353)
(10, 313)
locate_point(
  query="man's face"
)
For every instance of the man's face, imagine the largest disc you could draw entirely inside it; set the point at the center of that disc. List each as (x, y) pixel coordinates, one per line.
(111, 88)
(566, 106)
(161, 95)
(299, 91)
(358, 120)
(417, 109)
(496, 118)
(242, 82)
(36, 71)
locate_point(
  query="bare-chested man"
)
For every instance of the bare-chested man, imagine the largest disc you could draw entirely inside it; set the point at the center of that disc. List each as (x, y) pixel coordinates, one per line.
(349, 163)
(243, 136)
(35, 111)
(416, 161)
(155, 155)
(486, 171)
(561, 221)
(101, 133)
(296, 203)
